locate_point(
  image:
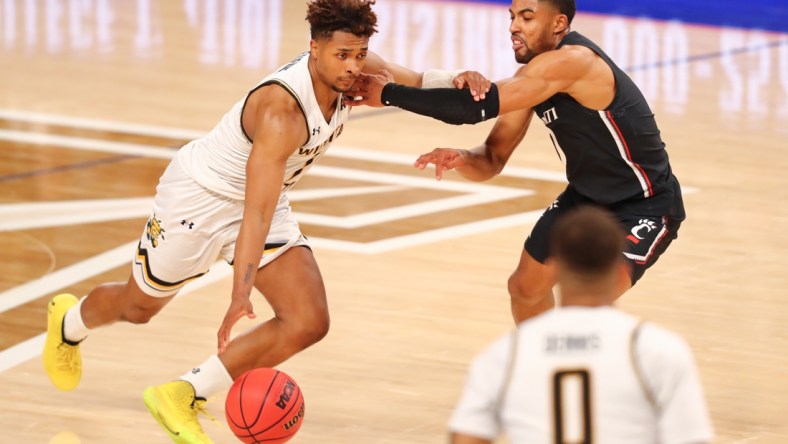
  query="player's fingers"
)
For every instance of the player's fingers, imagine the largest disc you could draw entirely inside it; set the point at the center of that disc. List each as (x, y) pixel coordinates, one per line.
(423, 160)
(453, 163)
(222, 338)
(475, 85)
(484, 87)
(439, 171)
(387, 76)
(480, 82)
(226, 329)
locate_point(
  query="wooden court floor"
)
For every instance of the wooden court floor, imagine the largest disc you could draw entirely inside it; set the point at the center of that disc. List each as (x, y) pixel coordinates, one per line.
(97, 96)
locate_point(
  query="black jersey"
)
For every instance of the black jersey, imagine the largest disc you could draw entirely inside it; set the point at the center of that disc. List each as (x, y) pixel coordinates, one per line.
(612, 155)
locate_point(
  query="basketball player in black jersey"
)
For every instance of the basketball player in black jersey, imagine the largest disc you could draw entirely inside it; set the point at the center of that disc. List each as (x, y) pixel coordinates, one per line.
(599, 123)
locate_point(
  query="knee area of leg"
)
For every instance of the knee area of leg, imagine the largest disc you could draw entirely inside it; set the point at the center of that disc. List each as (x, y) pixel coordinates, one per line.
(311, 330)
(138, 315)
(522, 292)
(515, 286)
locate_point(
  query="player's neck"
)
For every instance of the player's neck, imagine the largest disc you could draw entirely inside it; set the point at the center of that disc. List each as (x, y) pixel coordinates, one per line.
(561, 36)
(584, 301)
(587, 295)
(324, 93)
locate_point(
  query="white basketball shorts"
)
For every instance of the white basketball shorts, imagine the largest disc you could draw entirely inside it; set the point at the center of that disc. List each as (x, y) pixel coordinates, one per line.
(192, 227)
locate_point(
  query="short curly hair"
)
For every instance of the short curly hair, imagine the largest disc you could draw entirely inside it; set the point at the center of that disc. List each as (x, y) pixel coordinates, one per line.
(328, 16)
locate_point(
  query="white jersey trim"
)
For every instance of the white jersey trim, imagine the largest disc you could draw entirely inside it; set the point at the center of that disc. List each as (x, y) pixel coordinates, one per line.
(624, 152)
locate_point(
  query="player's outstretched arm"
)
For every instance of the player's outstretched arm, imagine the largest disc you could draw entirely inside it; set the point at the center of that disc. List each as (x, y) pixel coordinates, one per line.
(279, 129)
(546, 75)
(486, 160)
(476, 83)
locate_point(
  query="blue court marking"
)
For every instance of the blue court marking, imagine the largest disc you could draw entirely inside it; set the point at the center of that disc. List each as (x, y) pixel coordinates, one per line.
(770, 15)
(653, 65)
(382, 111)
(72, 167)
(707, 56)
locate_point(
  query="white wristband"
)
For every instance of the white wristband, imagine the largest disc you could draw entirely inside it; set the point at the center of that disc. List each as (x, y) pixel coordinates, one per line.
(438, 78)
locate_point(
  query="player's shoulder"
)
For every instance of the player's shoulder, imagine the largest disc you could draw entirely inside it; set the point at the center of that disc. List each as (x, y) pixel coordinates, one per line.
(276, 97)
(288, 87)
(569, 61)
(657, 343)
(576, 55)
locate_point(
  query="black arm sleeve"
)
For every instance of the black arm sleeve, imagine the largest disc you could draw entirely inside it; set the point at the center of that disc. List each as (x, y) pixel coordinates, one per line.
(450, 105)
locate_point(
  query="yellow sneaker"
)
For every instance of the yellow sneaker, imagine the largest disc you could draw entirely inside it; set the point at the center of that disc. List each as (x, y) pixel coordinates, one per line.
(174, 407)
(62, 361)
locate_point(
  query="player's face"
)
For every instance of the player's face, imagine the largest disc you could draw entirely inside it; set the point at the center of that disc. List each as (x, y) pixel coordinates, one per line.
(340, 59)
(532, 28)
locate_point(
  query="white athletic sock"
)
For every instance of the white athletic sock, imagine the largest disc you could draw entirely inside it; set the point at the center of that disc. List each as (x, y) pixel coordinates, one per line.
(209, 378)
(74, 329)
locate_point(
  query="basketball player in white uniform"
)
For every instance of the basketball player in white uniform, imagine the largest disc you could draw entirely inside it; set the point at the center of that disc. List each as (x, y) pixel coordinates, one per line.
(586, 372)
(223, 196)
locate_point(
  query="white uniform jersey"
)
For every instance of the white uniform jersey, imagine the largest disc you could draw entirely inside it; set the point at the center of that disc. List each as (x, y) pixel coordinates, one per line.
(585, 375)
(217, 161)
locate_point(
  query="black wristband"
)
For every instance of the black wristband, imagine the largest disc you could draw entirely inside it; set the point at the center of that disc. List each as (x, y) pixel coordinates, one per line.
(450, 105)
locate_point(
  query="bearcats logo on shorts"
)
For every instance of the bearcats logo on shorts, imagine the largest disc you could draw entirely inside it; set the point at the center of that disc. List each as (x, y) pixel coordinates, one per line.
(642, 230)
(644, 236)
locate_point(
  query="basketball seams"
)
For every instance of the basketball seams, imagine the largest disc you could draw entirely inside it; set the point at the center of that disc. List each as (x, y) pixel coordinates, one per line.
(247, 391)
(265, 398)
(247, 426)
(240, 406)
(284, 415)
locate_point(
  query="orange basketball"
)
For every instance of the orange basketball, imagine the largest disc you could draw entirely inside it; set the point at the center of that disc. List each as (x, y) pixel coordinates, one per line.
(264, 405)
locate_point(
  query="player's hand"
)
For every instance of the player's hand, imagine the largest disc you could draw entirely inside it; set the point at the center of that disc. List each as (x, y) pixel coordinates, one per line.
(239, 307)
(368, 88)
(474, 81)
(444, 159)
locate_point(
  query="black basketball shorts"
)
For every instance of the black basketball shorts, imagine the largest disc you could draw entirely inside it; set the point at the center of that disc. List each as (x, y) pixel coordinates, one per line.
(649, 227)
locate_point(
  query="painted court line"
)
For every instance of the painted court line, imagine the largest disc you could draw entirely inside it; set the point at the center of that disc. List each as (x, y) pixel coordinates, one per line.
(100, 125)
(66, 276)
(81, 143)
(31, 348)
(431, 236)
(32, 215)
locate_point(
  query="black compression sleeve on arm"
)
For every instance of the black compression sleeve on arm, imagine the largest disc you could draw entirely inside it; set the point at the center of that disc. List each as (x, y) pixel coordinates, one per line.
(450, 105)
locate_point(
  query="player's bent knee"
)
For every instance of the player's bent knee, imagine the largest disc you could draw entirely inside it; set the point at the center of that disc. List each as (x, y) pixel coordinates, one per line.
(522, 293)
(310, 330)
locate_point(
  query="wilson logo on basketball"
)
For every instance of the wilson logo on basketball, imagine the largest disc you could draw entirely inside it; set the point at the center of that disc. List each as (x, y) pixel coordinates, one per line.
(295, 419)
(284, 398)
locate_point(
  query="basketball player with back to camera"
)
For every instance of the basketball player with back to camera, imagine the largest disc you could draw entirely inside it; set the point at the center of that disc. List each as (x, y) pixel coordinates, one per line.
(224, 196)
(587, 372)
(599, 123)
